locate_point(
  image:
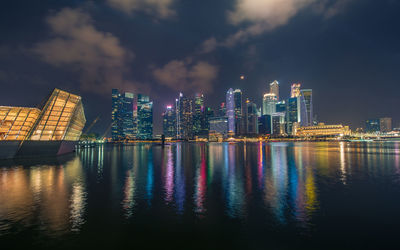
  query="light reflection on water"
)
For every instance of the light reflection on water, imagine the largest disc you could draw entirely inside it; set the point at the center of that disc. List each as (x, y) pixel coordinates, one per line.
(278, 183)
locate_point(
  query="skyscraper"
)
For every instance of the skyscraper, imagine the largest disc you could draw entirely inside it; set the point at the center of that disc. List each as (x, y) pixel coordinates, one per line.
(230, 111)
(251, 118)
(237, 95)
(184, 121)
(199, 115)
(293, 116)
(269, 104)
(145, 117)
(169, 125)
(122, 115)
(385, 124)
(295, 90)
(307, 98)
(274, 89)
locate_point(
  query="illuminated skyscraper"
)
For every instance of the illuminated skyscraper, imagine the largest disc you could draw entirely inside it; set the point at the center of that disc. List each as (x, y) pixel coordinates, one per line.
(237, 95)
(199, 123)
(184, 120)
(307, 98)
(144, 117)
(169, 122)
(222, 109)
(230, 111)
(293, 116)
(295, 90)
(122, 116)
(251, 118)
(274, 89)
(269, 104)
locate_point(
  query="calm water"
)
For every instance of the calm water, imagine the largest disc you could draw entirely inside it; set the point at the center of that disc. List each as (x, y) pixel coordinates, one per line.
(205, 196)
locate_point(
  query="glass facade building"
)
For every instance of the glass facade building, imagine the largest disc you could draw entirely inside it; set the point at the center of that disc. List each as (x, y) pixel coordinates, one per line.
(169, 126)
(17, 122)
(145, 117)
(124, 124)
(308, 102)
(230, 111)
(237, 95)
(61, 118)
(274, 88)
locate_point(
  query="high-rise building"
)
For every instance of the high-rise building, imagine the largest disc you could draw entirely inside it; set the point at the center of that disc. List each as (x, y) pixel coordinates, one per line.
(116, 118)
(199, 116)
(144, 117)
(274, 89)
(385, 124)
(169, 124)
(269, 104)
(251, 117)
(372, 126)
(237, 95)
(122, 115)
(293, 115)
(184, 121)
(307, 98)
(230, 111)
(281, 107)
(219, 125)
(264, 124)
(278, 123)
(295, 90)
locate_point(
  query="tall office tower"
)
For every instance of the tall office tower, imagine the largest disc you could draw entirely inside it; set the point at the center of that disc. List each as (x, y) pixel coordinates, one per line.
(269, 104)
(122, 115)
(208, 115)
(278, 123)
(128, 126)
(274, 89)
(281, 107)
(184, 112)
(293, 115)
(251, 118)
(373, 126)
(169, 122)
(237, 96)
(230, 111)
(116, 119)
(295, 90)
(198, 115)
(264, 124)
(385, 124)
(307, 98)
(145, 117)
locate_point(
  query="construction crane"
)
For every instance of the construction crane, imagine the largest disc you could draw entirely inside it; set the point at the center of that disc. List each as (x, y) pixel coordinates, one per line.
(92, 124)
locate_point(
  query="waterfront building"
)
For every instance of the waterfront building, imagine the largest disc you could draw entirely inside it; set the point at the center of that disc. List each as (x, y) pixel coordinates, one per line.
(385, 124)
(292, 114)
(219, 125)
(269, 104)
(274, 89)
(169, 122)
(372, 126)
(237, 95)
(251, 118)
(122, 116)
(306, 97)
(264, 124)
(230, 111)
(322, 130)
(51, 129)
(278, 123)
(295, 90)
(184, 121)
(198, 115)
(144, 117)
(17, 122)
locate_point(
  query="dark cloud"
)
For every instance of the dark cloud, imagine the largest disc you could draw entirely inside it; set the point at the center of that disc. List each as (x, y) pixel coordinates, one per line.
(159, 8)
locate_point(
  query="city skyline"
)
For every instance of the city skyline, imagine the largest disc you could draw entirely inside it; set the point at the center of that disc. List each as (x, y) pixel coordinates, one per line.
(152, 49)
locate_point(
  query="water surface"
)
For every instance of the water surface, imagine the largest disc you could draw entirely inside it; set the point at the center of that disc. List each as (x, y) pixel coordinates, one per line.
(315, 195)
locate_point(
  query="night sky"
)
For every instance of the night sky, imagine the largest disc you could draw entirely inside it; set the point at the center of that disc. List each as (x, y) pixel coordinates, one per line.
(347, 51)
